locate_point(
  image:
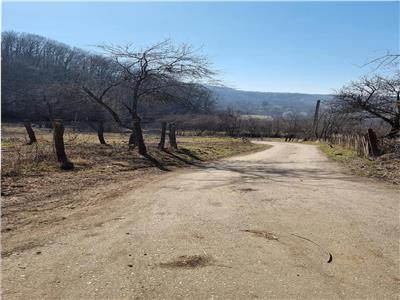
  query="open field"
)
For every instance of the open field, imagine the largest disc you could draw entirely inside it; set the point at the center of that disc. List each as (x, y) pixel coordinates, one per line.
(35, 192)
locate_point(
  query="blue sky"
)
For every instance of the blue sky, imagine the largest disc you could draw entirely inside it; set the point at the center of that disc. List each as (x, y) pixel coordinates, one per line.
(312, 47)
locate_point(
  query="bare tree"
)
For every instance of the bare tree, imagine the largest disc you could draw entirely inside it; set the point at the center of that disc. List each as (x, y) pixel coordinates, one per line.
(31, 133)
(391, 88)
(387, 60)
(45, 80)
(154, 72)
(97, 80)
(375, 97)
(58, 138)
(231, 122)
(38, 75)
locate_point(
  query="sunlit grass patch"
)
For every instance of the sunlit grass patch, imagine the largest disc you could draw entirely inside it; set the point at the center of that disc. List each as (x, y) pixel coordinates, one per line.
(84, 150)
(7, 144)
(387, 170)
(338, 153)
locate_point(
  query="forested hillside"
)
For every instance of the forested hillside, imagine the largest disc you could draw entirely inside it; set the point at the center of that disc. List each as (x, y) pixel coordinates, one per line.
(44, 80)
(266, 103)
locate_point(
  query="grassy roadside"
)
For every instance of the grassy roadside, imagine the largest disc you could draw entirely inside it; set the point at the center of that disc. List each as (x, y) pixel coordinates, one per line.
(32, 169)
(382, 168)
(212, 148)
(83, 149)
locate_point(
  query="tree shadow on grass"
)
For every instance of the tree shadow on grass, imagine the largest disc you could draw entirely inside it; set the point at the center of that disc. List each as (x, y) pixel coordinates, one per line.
(186, 152)
(156, 163)
(190, 154)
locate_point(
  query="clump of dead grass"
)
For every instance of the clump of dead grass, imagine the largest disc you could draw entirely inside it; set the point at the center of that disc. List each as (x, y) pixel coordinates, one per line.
(22, 159)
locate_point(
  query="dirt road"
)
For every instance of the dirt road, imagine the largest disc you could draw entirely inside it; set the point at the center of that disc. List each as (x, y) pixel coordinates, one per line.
(255, 226)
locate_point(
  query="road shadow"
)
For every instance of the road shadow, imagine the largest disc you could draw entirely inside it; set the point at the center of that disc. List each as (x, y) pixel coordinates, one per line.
(288, 173)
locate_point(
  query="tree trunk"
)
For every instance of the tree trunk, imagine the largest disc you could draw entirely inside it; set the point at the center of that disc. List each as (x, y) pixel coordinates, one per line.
(161, 144)
(58, 137)
(100, 133)
(172, 136)
(31, 133)
(373, 142)
(139, 136)
(132, 140)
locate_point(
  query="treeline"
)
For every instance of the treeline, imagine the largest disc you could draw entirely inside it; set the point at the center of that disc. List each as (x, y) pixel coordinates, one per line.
(369, 103)
(43, 81)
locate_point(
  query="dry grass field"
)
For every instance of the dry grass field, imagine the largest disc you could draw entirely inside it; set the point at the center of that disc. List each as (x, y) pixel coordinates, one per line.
(385, 167)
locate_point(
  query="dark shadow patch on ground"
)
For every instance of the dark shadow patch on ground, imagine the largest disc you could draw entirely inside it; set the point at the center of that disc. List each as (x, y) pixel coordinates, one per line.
(156, 163)
(189, 153)
(264, 234)
(265, 171)
(246, 190)
(188, 162)
(189, 262)
(21, 248)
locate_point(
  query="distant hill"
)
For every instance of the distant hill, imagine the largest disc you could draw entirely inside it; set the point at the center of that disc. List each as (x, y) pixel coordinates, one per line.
(265, 103)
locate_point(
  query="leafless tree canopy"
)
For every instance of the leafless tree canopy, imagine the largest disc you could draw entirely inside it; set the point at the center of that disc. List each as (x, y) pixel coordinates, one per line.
(43, 79)
(387, 60)
(375, 97)
(161, 73)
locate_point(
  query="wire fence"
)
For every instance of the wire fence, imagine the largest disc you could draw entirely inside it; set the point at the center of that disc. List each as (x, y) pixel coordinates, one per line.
(367, 145)
(359, 143)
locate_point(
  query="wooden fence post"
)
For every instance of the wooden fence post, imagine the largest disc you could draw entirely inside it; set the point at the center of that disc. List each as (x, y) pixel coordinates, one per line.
(315, 123)
(373, 142)
(58, 137)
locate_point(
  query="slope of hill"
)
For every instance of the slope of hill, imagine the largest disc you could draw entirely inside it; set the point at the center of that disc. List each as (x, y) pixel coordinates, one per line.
(265, 103)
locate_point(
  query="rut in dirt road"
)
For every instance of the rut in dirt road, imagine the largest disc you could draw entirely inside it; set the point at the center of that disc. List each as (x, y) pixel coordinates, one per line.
(229, 230)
